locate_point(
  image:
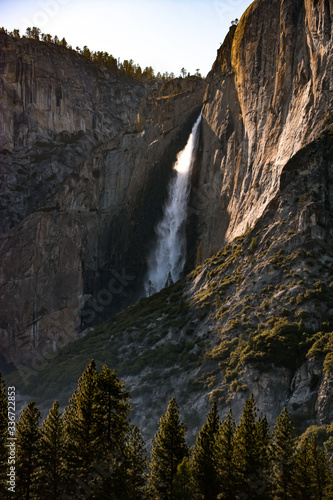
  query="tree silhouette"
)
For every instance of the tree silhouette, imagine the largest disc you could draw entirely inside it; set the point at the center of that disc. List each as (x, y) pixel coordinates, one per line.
(111, 411)
(168, 450)
(283, 457)
(64, 43)
(248, 454)
(81, 427)
(129, 475)
(35, 33)
(169, 280)
(311, 471)
(183, 483)
(51, 473)
(204, 457)
(150, 288)
(102, 58)
(224, 451)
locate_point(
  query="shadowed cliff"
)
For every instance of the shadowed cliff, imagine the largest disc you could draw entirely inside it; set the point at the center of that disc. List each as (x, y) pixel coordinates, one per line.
(86, 158)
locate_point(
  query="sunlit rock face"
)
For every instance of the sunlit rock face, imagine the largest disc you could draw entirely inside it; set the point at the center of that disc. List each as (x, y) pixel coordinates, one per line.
(270, 94)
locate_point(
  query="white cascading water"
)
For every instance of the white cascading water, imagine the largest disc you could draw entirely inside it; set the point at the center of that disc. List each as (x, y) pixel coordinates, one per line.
(169, 253)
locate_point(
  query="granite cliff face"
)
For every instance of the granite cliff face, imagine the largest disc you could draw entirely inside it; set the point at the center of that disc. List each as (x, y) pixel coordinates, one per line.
(82, 149)
(270, 94)
(257, 315)
(55, 106)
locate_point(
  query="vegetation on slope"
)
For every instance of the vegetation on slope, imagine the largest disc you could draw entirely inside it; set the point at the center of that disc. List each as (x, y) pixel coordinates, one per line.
(128, 67)
(271, 307)
(218, 321)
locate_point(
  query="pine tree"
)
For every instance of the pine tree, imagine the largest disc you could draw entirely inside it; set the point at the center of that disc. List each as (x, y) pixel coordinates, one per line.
(3, 437)
(168, 450)
(124, 477)
(321, 469)
(183, 484)
(248, 454)
(302, 483)
(264, 439)
(169, 280)
(112, 410)
(81, 433)
(64, 43)
(148, 72)
(204, 459)
(134, 466)
(183, 72)
(328, 492)
(51, 472)
(28, 436)
(35, 33)
(224, 451)
(96, 429)
(311, 471)
(282, 452)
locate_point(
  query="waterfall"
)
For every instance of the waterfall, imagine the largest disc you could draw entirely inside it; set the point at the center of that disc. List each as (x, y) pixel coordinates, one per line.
(168, 256)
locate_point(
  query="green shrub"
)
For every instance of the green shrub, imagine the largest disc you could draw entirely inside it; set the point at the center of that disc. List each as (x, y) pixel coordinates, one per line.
(319, 287)
(265, 304)
(279, 345)
(323, 347)
(235, 323)
(302, 314)
(277, 259)
(300, 299)
(217, 395)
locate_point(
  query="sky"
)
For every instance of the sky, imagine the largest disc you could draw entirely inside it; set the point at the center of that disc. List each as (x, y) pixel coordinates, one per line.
(165, 34)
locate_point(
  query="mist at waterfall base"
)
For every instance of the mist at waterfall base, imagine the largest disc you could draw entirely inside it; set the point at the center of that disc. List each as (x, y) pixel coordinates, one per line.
(168, 256)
